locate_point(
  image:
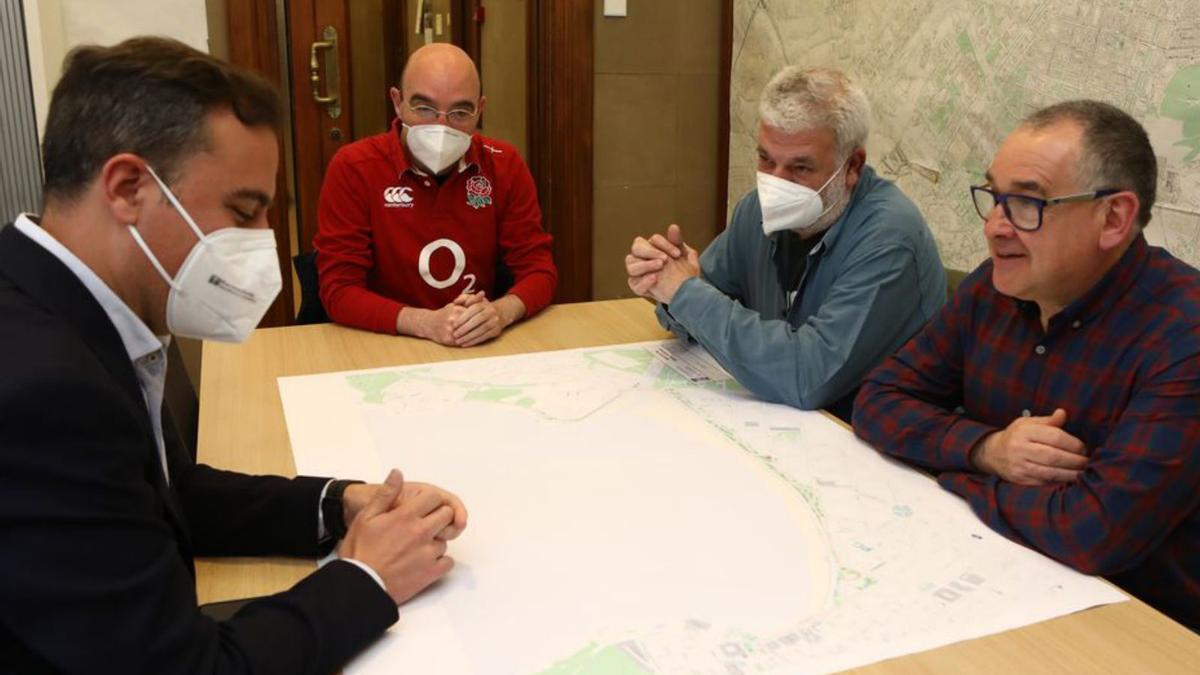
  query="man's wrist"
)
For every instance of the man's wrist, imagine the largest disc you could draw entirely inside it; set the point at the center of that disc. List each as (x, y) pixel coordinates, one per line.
(410, 321)
(333, 509)
(668, 298)
(511, 308)
(978, 458)
(356, 496)
(368, 569)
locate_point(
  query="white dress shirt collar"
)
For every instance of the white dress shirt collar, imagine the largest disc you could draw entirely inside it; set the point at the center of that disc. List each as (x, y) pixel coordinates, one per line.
(137, 337)
(147, 352)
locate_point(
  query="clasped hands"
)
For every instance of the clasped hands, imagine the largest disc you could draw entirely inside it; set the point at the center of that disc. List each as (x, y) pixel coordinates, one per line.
(1032, 451)
(658, 266)
(400, 530)
(469, 320)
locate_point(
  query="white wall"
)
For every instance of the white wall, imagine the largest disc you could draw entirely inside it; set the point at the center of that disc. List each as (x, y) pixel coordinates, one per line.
(53, 27)
(43, 36)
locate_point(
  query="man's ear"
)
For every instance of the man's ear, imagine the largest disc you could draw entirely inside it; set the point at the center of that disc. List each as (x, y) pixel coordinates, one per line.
(397, 99)
(1120, 218)
(122, 181)
(854, 166)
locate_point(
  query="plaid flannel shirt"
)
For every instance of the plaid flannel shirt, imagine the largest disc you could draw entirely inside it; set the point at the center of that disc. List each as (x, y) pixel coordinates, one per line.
(1124, 362)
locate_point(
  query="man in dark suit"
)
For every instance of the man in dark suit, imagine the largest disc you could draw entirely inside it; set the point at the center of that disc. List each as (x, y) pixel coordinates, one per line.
(160, 163)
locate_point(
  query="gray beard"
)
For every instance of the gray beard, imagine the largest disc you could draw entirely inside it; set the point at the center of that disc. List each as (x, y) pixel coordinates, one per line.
(826, 220)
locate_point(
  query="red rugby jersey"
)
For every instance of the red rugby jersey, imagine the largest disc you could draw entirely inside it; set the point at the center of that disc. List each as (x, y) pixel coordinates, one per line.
(389, 236)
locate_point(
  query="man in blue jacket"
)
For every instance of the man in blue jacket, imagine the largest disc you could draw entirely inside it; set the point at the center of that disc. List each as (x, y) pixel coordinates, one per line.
(825, 268)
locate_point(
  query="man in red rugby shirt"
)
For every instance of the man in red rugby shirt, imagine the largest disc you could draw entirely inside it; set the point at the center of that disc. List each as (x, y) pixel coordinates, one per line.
(414, 223)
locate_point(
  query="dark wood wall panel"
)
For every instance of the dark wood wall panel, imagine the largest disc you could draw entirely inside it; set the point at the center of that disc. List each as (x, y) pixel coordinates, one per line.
(722, 205)
(561, 38)
(253, 44)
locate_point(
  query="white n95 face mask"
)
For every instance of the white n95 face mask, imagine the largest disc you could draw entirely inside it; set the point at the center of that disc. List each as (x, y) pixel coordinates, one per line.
(225, 284)
(437, 146)
(791, 206)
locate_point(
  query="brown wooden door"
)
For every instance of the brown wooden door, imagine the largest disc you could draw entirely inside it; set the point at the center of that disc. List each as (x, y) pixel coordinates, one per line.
(321, 100)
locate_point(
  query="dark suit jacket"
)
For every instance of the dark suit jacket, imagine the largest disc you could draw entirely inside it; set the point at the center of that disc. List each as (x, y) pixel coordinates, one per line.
(96, 551)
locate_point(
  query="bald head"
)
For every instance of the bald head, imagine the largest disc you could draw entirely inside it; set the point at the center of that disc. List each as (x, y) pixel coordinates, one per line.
(440, 85)
(440, 67)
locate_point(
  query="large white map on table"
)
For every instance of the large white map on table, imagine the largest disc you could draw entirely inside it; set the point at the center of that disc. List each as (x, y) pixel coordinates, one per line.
(949, 79)
(626, 519)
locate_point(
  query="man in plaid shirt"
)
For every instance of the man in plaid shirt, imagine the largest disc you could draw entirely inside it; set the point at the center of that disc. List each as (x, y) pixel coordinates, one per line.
(1059, 391)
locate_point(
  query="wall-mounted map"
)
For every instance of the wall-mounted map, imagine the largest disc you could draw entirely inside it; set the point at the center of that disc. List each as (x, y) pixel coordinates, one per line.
(948, 79)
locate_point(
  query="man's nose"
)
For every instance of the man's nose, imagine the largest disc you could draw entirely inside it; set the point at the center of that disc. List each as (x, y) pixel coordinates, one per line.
(997, 223)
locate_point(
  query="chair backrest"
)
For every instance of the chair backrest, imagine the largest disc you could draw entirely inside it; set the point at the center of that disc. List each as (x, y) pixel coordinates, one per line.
(179, 398)
(953, 279)
(504, 278)
(311, 309)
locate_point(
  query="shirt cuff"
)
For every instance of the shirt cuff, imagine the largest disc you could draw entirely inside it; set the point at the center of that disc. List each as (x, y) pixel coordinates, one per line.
(322, 533)
(535, 293)
(366, 568)
(955, 451)
(693, 300)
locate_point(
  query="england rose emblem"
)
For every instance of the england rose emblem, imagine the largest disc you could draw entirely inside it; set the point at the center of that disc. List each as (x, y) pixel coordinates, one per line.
(479, 192)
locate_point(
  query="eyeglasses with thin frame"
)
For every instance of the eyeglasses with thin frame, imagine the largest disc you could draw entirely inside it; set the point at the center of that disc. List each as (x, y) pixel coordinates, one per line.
(456, 116)
(1025, 212)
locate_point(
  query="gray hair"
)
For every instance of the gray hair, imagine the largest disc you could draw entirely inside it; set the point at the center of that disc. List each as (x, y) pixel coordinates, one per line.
(802, 99)
(1116, 151)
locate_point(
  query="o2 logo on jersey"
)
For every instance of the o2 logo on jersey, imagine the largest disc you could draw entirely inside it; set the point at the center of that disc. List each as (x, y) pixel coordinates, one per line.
(460, 264)
(398, 197)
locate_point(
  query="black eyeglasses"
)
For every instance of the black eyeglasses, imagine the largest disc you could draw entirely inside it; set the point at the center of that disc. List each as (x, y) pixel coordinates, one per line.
(1023, 211)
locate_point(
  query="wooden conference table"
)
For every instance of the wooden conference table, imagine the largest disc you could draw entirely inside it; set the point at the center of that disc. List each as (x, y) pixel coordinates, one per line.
(242, 427)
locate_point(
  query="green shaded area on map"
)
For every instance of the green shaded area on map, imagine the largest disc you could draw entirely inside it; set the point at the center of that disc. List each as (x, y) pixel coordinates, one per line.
(855, 579)
(1181, 102)
(494, 394)
(372, 385)
(964, 42)
(597, 660)
(994, 51)
(639, 359)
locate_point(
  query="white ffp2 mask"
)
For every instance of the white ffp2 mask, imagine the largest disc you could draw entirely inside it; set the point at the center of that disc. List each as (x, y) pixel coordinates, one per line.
(791, 206)
(437, 146)
(225, 284)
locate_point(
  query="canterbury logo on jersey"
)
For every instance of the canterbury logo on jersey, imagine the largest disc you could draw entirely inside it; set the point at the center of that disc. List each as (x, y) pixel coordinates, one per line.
(398, 197)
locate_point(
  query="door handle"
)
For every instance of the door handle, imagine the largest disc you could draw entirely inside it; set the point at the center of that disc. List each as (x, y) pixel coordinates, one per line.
(329, 42)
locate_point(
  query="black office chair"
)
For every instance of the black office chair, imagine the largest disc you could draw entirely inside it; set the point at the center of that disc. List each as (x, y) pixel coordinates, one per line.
(504, 279)
(181, 407)
(311, 309)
